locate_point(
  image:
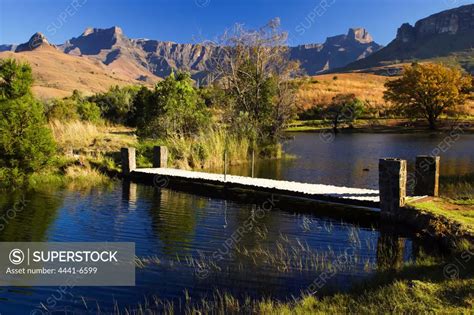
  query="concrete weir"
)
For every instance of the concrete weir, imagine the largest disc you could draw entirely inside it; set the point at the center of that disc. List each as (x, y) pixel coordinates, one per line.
(390, 198)
(344, 195)
(161, 176)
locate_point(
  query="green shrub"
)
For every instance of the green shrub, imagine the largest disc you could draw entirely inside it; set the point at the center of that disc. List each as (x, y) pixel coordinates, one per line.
(63, 110)
(26, 144)
(174, 108)
(75, 107)
(116, 105)
(88, 111)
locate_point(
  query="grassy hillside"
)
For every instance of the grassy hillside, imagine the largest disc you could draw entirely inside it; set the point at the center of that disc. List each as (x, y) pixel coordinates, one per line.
(318, 90)
(57, 74)
(322, 88)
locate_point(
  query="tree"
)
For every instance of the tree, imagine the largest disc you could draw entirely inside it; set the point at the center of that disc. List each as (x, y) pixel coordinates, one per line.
(174, 108)
(116, 104)
(428, 90)
(15, 79)
(344, 108)
(74, 107)
(26, 144)
(86, 110)
(254, 68)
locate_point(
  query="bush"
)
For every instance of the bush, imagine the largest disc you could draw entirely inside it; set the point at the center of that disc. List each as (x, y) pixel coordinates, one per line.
(174, 108)
(88, 111)
(26, 144)
(63, 110)
(116, 105)
(73, 108)
(312, 113)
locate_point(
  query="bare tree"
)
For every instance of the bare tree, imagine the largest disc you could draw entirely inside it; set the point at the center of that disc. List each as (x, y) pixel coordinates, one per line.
(255, 70)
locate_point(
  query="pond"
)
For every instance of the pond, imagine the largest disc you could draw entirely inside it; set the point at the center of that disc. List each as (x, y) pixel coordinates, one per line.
(187, 243)
(352, 159)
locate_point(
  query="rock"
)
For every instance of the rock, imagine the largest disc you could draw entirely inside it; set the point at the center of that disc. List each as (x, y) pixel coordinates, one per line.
(36, 41)
(145, 58)
(442, 34)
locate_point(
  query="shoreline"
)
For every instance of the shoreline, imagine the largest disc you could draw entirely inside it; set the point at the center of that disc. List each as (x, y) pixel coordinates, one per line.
(384, 126)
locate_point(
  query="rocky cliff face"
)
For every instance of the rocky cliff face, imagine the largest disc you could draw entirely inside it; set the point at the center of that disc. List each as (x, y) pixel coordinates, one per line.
(336, 52)
(144, 57)
(38, 40)
(164, 57)
(147, 60)
(438, 35)
(451, 22)
(112, 48)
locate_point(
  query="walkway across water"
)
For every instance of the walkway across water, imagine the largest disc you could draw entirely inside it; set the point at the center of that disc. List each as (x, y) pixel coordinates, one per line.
(329, 193)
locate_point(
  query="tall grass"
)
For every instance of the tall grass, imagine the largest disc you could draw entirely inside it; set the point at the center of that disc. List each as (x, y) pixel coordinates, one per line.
(74, 134)
(87, 136)
(207, 149)
(458, 187)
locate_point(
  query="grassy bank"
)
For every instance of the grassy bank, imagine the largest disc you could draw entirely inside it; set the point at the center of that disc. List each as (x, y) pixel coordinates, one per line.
(94, 148)
(462, 215)
(424, 286)
(379, 125)
(204, 151)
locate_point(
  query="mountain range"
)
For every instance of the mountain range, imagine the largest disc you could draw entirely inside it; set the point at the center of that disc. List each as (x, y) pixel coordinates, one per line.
(146, 59)
(448, 35)
(99, 58)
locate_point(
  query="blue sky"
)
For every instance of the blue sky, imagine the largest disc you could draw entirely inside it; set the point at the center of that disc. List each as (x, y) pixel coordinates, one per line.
(307, 21)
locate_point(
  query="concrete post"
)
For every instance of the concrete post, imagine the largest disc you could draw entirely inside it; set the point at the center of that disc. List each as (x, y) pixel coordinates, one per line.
(160, 156)
(128, 160)
(392, 185)
(427, 176)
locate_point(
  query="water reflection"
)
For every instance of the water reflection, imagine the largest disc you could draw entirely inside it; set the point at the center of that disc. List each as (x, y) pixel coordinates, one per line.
(174, 219)
(352, 159)
(279, 253)
(390, 250)
(26, 217)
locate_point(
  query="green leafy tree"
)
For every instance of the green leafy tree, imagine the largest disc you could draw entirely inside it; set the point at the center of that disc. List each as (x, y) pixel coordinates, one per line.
(15, 79)
(428, 90)
(138, 117)
(344, 108)
(86, 110)
(75, 107)
(174, 108)
(116, 104)
(26, 144)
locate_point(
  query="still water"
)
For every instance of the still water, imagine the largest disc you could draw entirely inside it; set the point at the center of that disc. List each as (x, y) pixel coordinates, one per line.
(352, 159)
(188, 239)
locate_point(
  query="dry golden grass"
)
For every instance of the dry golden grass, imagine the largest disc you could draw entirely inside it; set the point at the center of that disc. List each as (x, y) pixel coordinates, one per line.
(320, 90)
(85, 136)
(57, 74)
(79, 173)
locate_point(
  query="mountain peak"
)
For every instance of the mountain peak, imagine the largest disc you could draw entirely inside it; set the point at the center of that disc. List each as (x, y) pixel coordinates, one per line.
(360, 34)
(93, 40)
(114, 30)
(442, 34)
(36, 41)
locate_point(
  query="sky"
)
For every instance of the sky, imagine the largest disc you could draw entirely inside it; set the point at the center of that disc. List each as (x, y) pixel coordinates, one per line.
(191, 21)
